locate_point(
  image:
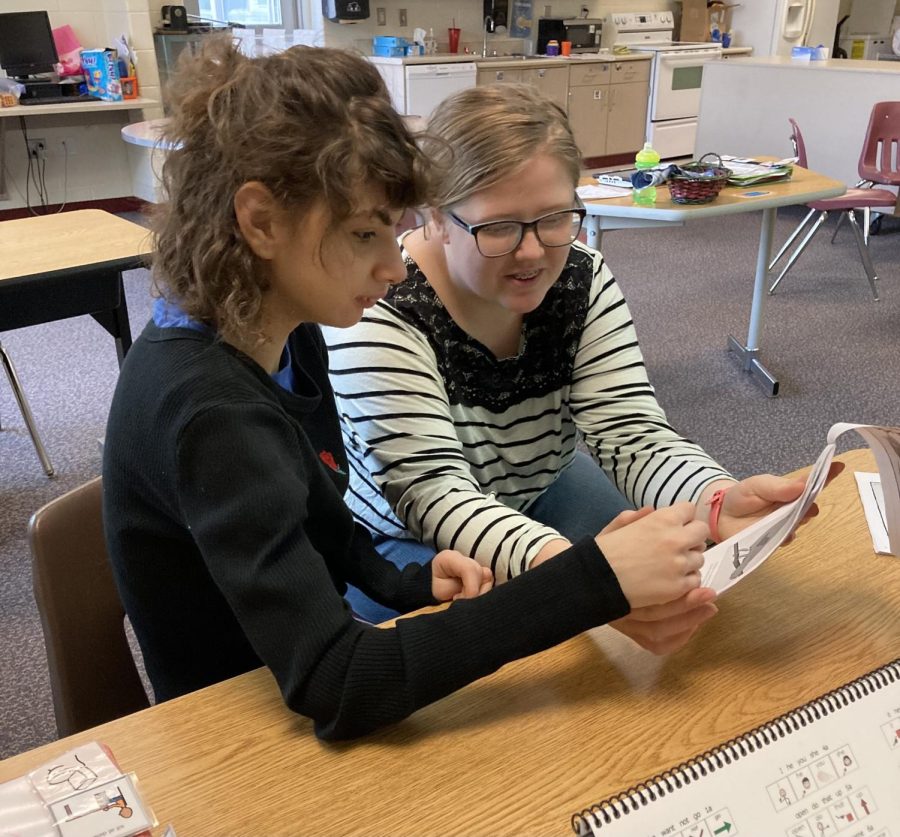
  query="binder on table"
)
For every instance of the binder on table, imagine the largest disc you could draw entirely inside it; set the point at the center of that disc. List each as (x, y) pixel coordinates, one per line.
(828, 767)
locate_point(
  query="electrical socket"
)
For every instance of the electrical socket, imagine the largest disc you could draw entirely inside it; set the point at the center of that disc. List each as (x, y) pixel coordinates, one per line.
(37, 148)
(402, 15)
(381, 16)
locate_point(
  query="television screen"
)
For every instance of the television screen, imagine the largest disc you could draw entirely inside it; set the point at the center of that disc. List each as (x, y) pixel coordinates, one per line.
(26, 44)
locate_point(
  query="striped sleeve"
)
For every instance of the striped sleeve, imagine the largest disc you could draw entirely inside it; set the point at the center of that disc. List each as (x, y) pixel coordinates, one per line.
(404, 448)
(615, 407)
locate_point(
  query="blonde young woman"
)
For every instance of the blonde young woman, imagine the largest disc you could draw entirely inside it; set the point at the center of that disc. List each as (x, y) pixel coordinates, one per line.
(223, 470)
(464, 391)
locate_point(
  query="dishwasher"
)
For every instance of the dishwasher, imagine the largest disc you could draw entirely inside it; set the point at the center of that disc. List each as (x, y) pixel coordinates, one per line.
(427, 85)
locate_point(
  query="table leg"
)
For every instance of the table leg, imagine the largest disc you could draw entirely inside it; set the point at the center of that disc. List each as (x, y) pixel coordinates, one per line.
(748, 355)
(592, 230)
(25, 409)
(115, 321)
(3, 194)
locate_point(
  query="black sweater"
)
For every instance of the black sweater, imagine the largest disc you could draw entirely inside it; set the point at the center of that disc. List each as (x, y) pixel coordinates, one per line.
(232, 547)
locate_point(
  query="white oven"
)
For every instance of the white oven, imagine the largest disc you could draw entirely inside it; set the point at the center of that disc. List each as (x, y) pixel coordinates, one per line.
(676, 74)
(676, 80)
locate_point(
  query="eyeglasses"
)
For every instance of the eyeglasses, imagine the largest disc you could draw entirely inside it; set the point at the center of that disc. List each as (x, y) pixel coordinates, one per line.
(499, 238)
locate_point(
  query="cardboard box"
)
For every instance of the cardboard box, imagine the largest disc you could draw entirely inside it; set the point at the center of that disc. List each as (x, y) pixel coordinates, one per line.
(101, 74)
(694, 21)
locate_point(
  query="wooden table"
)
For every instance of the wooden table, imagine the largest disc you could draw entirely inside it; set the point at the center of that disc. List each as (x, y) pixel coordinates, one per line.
(68, 264)
(804, 186)
(519, 752)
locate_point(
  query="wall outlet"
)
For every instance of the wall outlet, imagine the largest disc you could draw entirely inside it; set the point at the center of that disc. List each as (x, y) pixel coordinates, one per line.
(402, 15)
(37, 148)
(381, 16)
(584, 11)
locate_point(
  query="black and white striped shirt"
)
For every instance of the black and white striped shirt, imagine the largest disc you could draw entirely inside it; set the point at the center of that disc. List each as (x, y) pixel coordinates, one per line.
(449, 445)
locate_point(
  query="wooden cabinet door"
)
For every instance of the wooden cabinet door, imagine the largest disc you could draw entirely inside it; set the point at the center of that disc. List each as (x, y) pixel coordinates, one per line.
(627, 117)
(488, 76)
(589, 116)
(553, 82)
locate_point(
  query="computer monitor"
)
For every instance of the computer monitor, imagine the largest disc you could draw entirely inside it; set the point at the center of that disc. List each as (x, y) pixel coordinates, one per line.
(26, 44)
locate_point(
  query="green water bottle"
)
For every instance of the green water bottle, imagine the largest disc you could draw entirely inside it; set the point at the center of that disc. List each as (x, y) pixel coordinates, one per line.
(646, 158)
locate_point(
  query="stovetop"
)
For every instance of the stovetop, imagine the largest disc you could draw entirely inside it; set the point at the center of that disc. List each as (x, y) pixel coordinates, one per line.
(676, 46)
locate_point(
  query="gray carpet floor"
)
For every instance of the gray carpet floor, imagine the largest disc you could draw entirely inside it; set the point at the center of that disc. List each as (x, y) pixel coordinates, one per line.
(835, 350)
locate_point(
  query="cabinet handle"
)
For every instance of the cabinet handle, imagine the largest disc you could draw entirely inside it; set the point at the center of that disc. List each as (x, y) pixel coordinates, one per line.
(541, 73)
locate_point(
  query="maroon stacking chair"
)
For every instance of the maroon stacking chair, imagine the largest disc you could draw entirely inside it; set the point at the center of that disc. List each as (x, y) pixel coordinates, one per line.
(878, 164)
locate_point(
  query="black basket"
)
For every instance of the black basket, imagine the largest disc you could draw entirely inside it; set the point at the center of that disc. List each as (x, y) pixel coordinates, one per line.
(698, 182)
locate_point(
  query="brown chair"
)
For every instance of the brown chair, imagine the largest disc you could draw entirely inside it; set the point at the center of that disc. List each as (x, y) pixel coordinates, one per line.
(93, 675)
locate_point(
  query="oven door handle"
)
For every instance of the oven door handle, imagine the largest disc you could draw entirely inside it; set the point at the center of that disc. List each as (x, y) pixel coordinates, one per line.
(690, 58)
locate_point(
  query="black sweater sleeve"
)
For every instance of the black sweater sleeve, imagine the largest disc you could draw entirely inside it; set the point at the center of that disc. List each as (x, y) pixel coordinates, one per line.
(265, 523)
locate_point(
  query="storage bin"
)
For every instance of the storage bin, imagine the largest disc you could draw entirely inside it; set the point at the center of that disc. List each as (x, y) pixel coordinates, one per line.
(389, 46)
(388, 51)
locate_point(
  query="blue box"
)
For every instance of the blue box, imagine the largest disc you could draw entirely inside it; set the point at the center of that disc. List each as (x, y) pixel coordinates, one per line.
(389, 41)
(101, 74)
(389, 46)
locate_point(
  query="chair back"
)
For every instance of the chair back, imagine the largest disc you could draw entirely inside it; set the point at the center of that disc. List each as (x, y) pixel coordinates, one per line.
(880, 157)
(798, 145)
(93, 676)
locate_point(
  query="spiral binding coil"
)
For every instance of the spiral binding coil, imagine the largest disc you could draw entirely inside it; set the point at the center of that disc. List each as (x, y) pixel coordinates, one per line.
(632, 800)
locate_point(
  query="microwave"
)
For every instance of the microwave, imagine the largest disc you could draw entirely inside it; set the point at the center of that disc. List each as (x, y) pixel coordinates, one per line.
(584, 33)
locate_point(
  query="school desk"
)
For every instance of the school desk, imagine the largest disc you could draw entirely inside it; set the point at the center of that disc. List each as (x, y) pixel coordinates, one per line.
(519, 752)
(804, 186)
(68, 264)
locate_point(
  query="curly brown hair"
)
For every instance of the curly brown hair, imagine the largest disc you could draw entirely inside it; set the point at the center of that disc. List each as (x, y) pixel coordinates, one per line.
(311, 124)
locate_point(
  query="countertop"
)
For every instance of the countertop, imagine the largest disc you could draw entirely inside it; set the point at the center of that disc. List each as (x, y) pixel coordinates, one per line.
(78, 106)
(506, 61)
(846, 65)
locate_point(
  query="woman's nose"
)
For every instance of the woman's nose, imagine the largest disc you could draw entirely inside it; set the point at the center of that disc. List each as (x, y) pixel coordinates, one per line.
(530, 246)
(391, 268)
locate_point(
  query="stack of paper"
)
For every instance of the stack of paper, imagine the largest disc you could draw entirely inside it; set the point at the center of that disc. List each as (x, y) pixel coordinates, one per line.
(745, 172)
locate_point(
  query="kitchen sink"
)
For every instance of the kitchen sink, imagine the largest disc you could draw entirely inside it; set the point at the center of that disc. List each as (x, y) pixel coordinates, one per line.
(505, 58)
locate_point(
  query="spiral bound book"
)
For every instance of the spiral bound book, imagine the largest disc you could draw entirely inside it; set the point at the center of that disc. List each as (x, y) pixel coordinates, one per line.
(829, 767)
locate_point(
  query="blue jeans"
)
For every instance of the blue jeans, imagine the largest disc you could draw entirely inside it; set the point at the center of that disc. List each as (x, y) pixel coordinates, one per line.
(580, 503)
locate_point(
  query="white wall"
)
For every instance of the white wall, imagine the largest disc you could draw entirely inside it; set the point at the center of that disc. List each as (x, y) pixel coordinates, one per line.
(97, 163)
(830, 100)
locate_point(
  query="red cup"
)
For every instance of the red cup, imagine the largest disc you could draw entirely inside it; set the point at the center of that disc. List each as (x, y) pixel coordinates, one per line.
(453, 39)
(565, 48)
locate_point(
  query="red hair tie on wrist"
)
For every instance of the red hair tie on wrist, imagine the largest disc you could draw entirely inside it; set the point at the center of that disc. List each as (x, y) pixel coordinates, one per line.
(715, 506)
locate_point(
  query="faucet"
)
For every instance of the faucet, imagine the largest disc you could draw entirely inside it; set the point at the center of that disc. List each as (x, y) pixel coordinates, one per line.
(488, 27)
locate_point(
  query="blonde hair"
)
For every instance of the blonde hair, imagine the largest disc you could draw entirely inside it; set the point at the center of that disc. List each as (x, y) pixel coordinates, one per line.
(311, 124)
(478, 136)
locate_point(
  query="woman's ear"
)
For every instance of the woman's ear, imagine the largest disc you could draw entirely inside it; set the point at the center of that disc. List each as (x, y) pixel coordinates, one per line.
(439, 224)
(257, 215)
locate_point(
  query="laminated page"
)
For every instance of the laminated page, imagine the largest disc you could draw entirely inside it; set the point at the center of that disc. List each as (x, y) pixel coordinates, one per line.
(80, 793)
(872, 498)
(726, 563)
